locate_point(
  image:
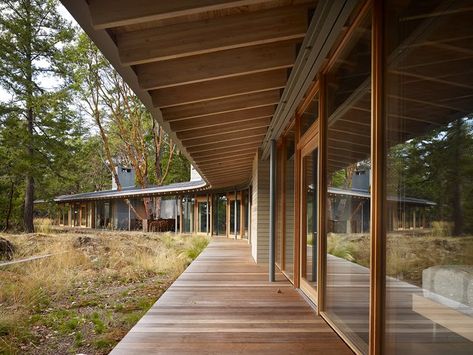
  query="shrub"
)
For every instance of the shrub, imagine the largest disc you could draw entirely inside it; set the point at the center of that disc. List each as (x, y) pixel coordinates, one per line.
(442, 229)
(43, 225)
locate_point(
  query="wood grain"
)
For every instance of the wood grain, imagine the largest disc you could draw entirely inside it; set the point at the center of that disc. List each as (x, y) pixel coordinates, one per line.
(224, 304)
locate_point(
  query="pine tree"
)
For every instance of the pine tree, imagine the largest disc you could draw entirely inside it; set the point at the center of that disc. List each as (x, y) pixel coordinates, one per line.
(33, 72)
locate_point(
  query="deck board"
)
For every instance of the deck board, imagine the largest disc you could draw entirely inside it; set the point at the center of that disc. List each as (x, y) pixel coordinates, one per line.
(223, 303)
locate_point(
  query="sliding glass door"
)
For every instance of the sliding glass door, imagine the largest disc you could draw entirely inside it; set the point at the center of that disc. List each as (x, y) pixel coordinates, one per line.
(309, 227)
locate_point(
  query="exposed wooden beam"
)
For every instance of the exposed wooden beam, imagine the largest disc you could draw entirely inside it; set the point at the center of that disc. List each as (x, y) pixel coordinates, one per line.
(230, 175)
(227, 128)
(226, 165)
(225, 138)
(223, 151)
(114, 13)
(235, 103)
(227, 156)
(211, 66)
(221, 119)
(214, 146)
(220, 88)
(213, 35)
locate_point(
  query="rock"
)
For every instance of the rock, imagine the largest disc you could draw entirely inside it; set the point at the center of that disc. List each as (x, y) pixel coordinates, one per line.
(7, 249)
(454, 282)
(83, 241)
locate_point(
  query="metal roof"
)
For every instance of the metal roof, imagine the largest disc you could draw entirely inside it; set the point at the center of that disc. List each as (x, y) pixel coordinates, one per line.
(365, 194)
(180, 187)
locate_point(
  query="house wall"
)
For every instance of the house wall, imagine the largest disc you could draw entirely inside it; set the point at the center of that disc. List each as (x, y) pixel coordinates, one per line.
(119, 214)
(260, 210)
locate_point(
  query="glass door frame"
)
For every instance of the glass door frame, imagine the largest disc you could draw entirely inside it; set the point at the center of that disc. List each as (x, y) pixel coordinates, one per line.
(306, 143)
(305, 149)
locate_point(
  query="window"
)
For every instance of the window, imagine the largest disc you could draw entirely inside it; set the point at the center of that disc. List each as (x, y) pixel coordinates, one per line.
(348, 108)
(429, 175)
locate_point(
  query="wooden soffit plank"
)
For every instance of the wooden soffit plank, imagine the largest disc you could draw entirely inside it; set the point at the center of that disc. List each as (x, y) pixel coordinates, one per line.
(230, 144)
(220, 88)
(229, 104)
(217, 34)
(114, 13)
(217, 120)
(222, 151)
(227, 128)
(225, 138)
(225, 157)
(218, 65)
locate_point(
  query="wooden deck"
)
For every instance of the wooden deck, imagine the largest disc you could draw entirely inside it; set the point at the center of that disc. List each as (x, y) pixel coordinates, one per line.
(223, 303)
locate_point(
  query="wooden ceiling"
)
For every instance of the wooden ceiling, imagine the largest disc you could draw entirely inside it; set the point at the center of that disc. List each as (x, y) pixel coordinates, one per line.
(215, 68)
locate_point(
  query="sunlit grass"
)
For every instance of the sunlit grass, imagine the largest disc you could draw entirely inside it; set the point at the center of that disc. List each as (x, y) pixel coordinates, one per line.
(97, 288)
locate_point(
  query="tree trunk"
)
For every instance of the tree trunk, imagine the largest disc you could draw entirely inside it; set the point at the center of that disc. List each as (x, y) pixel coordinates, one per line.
(10, 205)
(457, 207)
(29, 193)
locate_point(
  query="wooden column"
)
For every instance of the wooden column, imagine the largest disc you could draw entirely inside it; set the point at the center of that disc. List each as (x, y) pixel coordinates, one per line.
(129, 217)
(211, 218)
(242, 215)
(181, 217)
(378, 193)
(235, 216)
(322, 198)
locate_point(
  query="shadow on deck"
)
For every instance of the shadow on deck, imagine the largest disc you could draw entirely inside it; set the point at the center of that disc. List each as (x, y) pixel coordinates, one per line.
(223, 303)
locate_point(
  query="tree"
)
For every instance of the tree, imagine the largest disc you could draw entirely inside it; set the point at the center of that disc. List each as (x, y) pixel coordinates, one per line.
(32, 39)
(129, 134)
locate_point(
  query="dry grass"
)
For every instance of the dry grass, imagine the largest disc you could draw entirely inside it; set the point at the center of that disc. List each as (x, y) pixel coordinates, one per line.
(408, 253)
(89, 294)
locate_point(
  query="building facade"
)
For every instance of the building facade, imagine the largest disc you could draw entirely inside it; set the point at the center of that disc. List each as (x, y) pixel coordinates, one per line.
(281, 106)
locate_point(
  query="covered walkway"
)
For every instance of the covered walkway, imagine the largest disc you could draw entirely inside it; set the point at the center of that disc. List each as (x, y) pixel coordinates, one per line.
(223, 303)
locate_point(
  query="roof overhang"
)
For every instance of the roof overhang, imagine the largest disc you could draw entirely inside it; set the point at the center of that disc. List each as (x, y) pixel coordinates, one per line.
(211, 72)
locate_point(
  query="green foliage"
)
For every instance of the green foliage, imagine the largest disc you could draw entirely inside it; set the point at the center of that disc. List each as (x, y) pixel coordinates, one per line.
(48, 131)
(196, 244)
(438, 167)
(37, 125)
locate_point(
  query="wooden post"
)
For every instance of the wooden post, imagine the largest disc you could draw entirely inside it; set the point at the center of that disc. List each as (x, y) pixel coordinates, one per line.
(242, 215)
(181, 215)
(129, 217)
(207, 217)
(176, 211)
(272, 212)
(378, 197)
(235, 216)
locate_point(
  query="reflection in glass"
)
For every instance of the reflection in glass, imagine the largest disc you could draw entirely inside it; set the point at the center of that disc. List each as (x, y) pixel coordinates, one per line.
(348, 152)
(232, 217)
(188, 214)
(202, 217)
(219, 214)
(309, 236)
(289, 205)
(429, 182)
(310, 114)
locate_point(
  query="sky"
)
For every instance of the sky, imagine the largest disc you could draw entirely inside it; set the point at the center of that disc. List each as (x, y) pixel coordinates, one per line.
(45, 82)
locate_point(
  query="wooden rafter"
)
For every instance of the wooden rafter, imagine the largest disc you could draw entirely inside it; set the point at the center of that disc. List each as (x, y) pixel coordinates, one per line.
(189, 39)
(220, 88)
(223, 118)
(227, 128)
(235, 103)
(211, 66)
(226, 138)
(236, 143)
(114, 13)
